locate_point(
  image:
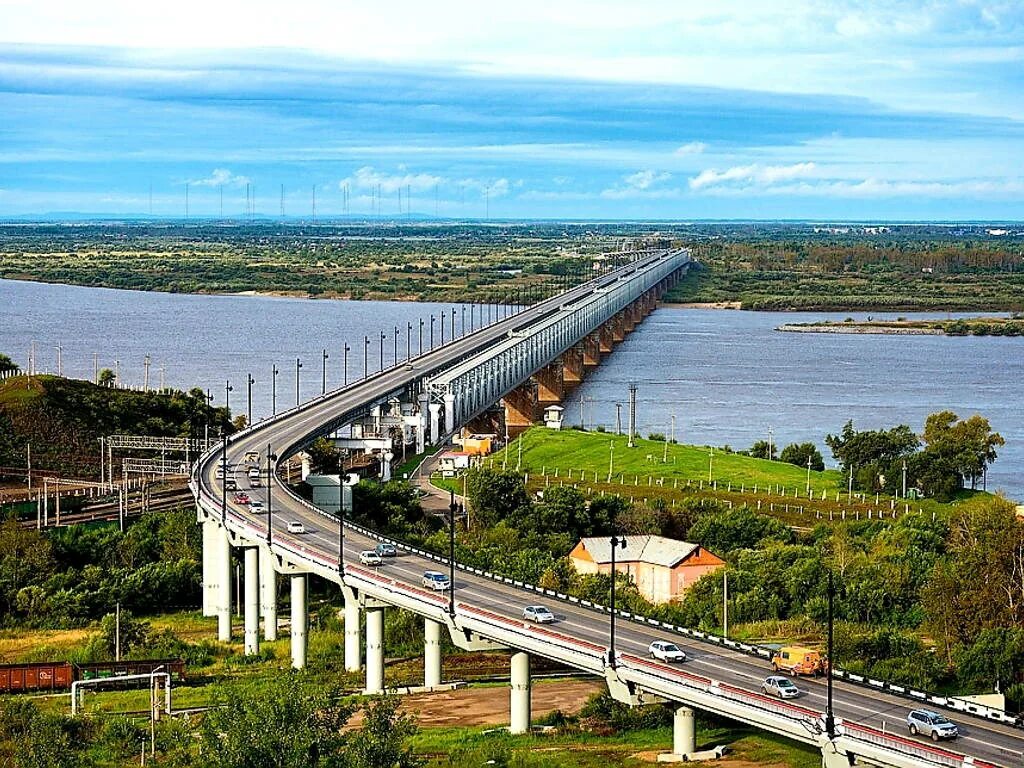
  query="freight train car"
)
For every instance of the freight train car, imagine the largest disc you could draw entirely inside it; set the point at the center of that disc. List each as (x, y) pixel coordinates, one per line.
(59, 675)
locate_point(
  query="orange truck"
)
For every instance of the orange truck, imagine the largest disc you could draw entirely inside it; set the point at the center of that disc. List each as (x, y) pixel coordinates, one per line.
(797, 660)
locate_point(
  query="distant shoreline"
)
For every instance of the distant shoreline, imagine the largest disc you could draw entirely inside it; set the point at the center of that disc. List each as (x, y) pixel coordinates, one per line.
(972, 326)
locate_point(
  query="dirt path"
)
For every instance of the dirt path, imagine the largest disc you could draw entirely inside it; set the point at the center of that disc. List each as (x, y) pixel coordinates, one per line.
(489, 706)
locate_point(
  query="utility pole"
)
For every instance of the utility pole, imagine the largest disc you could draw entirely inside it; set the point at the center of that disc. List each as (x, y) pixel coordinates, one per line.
(711, 461)
(770, 434)
(618, 418)
(904, 478)
(249, 382)
(611, 459)
(95, 368)
(145, 372)
(117, 631)
(59, 366)
(273, 391)
(323, 383)
(616, 542)
(298, 367)
(725, 604)
(632, 414)
(672, 431)
(344, 364)
(808, 474)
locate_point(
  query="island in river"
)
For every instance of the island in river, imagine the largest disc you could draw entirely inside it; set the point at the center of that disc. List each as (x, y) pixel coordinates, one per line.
(966, 326)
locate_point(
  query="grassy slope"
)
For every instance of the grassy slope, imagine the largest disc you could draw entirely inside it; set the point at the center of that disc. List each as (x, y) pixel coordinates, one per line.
(544, 449)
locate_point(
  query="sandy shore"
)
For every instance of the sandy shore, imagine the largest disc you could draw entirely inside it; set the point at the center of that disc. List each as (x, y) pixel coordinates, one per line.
(852, 328)
(703, 305)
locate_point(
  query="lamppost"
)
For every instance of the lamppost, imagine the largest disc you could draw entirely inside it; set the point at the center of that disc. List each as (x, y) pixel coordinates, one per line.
(271, 460)
(442, 315)
(463, 326)
(408, 341)
(383, 336)
(323, 384)
(431, 331)
(421, 336)
(366, 356)
(808, 475)
(224, 481)
(453, 324)
(273, 392)
(341, 514)
(453, 510)
(830, 722)
(395, 360)
(250, 381)
(615, 541)
(228, 389)
(344, 365)
(298, 367)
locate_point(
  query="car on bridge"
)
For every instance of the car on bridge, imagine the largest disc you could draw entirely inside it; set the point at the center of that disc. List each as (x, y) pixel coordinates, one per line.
(780, 686)
(928, 723)
(538, 614)
(255, 505)
(242, 498)
(386, 549)
(370, 557)
(797, 660)
(230, 484)
(436, 581)
(666, 651)
(294, 526)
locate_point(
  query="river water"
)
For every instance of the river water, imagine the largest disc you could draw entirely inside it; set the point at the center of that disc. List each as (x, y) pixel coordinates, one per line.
(728, 376)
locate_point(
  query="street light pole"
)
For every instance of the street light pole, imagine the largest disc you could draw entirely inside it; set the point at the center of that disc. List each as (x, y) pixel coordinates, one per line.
(395, 360)
(341, 514)
(431, 331)
(366, 356)
(421, 336)
(453, 509)
(323, 385)
(298, 367)
(344, 365)
(273, 392)
(830, 722)
(808, 474)
(615, 541)
(227, 399)
(271, 458)
(383, 336)
(250, 381)
(224, 482)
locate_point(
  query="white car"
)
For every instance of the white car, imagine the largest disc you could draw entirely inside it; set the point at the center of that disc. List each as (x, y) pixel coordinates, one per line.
(369, 557)
(538, 614)
(666, 651)
(255, 505)
(294, 526)
(436, 581)
(783, 687)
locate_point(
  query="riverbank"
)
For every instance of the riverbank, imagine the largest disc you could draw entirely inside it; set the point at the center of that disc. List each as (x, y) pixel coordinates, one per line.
(972, 326)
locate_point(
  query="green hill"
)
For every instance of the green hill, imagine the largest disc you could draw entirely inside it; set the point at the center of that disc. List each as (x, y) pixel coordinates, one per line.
(63, 419)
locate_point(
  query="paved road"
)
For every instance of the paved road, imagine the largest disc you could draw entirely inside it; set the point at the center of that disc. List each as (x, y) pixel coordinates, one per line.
(986, 740)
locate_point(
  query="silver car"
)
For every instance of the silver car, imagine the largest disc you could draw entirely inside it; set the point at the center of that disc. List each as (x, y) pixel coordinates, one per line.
(928, 723)
(666, 651)
(780, 686)
(538, 614)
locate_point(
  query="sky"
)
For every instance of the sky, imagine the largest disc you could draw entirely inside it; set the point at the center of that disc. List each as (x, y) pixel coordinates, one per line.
(578, 109)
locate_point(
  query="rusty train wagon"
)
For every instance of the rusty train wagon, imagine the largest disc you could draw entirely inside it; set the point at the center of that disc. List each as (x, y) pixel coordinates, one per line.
(59, 675)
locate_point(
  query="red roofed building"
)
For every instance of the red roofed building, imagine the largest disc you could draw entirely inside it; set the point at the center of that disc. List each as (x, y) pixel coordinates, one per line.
(662, 569)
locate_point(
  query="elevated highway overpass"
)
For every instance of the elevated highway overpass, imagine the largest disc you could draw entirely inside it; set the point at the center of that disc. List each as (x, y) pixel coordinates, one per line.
(451, 384)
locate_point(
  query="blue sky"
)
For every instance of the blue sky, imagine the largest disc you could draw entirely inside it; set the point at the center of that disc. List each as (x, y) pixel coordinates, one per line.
(902, 109)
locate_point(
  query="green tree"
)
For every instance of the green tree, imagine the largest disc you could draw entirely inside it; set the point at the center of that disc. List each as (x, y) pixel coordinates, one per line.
(799, 453)
(738, 528)
(383, 739)
(277, 723)
(107, 378)
(8, 365)
(871, 453)
(762, 449)
(969, 445)
(497, 495)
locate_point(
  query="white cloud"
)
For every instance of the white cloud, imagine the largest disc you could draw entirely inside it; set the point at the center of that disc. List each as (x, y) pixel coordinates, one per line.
(876, 188)
(221, 177)
(645, 179)
(691, 148)
(754, 175)
(369, 178)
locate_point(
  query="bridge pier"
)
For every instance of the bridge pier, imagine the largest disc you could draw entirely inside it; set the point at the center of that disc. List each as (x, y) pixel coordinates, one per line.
(209, 575)
(449, 413)
(606, 338)
(550, 387)
(591, 346)
(423, 399)
(519, 717)
(220, 554)
(374, 650)
(252, 601)
(431, 653)
(684, 737)
(435, 423)
(300, 620)
(520, 408)
(353, 648)
(268, 594)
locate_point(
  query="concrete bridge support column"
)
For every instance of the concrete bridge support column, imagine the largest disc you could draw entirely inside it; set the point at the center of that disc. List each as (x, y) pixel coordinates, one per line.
(431, 653)
(684, 740)
(520, 408)
(374, 650)
(549, 384)
(353, 647)
(592, 350)
(268, 594)
(221, 564)
(209, 575)
(421, 428)
(435, 423)
(618, 328)
(572, 367)
(449, 413)
(252, 601)
(519, 720)
(606, 338)
(300, 620)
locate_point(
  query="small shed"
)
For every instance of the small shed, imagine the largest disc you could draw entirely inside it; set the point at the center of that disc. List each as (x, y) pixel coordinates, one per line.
(553, 416)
